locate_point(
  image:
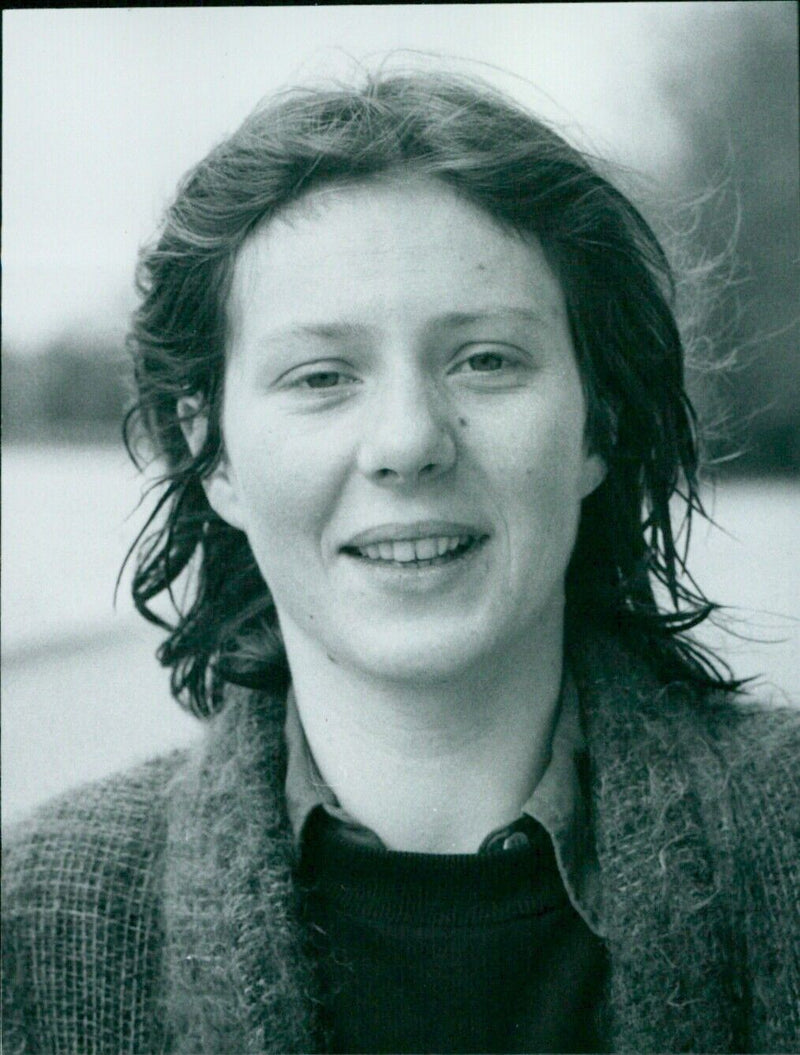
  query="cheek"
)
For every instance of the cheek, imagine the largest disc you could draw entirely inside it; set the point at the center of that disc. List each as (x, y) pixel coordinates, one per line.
(535, 475)
(288, 486)
(537, 447)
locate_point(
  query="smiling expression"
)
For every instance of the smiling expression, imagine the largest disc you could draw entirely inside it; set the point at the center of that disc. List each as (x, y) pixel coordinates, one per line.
(404, 423)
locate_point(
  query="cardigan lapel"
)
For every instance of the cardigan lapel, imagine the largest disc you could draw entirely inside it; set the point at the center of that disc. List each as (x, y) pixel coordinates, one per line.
(238, 979)
(667, 926)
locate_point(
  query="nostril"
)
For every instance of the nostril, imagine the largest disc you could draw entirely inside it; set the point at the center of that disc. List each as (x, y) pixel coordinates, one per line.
(384, 473)
(395, 456)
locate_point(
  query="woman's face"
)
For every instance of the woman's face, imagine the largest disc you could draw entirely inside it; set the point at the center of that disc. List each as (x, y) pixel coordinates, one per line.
(403, 423)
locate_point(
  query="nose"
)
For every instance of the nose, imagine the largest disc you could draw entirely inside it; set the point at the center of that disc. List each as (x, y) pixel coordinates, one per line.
(407, 436)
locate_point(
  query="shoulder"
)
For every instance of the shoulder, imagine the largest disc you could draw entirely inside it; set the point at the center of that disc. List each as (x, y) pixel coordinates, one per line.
(762, 740)
(761, 745)
(739, 755)
(669, 759)
(81, 907)
(632, 716)
(695, 798)
(94, 829)
(750, 751)
(751, 748)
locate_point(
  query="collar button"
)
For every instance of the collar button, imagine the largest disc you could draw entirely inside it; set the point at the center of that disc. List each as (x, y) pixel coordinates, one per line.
(516, 841)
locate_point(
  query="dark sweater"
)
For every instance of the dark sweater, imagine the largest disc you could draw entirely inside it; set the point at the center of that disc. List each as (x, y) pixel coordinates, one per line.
(157, 911)
(451, 953)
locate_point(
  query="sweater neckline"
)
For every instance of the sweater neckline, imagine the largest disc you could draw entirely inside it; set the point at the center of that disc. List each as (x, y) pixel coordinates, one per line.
(429, 890)
(559, 803)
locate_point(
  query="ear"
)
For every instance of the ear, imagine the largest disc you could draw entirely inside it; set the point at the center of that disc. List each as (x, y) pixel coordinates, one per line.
(220, 485)
(593, 473)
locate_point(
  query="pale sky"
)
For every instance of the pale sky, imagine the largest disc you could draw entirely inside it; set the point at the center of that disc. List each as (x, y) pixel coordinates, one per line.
(105, 109)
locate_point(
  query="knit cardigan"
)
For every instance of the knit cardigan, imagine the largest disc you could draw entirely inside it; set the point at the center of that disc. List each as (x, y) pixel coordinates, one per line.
(156, 911)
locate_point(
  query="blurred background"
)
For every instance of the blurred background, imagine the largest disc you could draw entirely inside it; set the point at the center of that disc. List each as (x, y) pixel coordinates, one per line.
(696, 106)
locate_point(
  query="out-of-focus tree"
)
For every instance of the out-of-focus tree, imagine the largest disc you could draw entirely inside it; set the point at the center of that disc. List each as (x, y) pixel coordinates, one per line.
(73, 390)
(731, 77)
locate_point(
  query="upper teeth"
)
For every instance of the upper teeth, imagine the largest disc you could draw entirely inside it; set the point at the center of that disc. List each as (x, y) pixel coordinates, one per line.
(414, 549)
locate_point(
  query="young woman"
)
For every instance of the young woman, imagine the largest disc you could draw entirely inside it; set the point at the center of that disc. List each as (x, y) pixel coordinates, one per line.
(412, 368)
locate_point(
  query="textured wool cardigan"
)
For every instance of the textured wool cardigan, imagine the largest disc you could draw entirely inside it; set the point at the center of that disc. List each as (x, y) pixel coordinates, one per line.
(156, 911)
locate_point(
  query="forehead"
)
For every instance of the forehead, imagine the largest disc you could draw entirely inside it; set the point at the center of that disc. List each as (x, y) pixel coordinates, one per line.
(383, 249)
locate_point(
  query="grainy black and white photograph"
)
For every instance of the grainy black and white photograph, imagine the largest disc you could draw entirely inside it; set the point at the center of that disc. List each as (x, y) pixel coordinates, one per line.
(400, 552)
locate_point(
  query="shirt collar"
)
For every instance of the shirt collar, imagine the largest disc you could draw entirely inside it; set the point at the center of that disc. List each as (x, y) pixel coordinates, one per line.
(559, 802)
(305, 788)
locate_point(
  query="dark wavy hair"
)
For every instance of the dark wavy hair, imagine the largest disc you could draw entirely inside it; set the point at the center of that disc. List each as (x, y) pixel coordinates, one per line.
(619, 291)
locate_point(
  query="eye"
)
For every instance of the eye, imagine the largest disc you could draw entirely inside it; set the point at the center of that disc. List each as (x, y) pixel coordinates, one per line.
(485, 362)
(491, 366)
(492, 360)
(324, 379)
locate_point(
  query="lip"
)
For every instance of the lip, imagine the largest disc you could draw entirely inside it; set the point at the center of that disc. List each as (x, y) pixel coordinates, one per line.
(419, 529)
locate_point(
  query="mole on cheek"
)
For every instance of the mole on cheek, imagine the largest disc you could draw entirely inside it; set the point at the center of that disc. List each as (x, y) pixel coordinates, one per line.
(462, 422)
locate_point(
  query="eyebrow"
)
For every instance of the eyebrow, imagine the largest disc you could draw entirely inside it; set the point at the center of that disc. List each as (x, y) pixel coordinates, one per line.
(328, 331)
(529, 316)
(338, 331)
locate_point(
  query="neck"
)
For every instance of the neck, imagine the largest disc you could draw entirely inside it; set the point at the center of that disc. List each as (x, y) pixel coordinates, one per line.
(432, 767)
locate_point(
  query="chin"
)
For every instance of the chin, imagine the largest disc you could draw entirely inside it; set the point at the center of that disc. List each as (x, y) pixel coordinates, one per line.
(430, 660)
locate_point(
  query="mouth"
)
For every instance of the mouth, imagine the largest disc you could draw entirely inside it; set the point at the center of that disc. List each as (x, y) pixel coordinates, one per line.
(427, 551)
